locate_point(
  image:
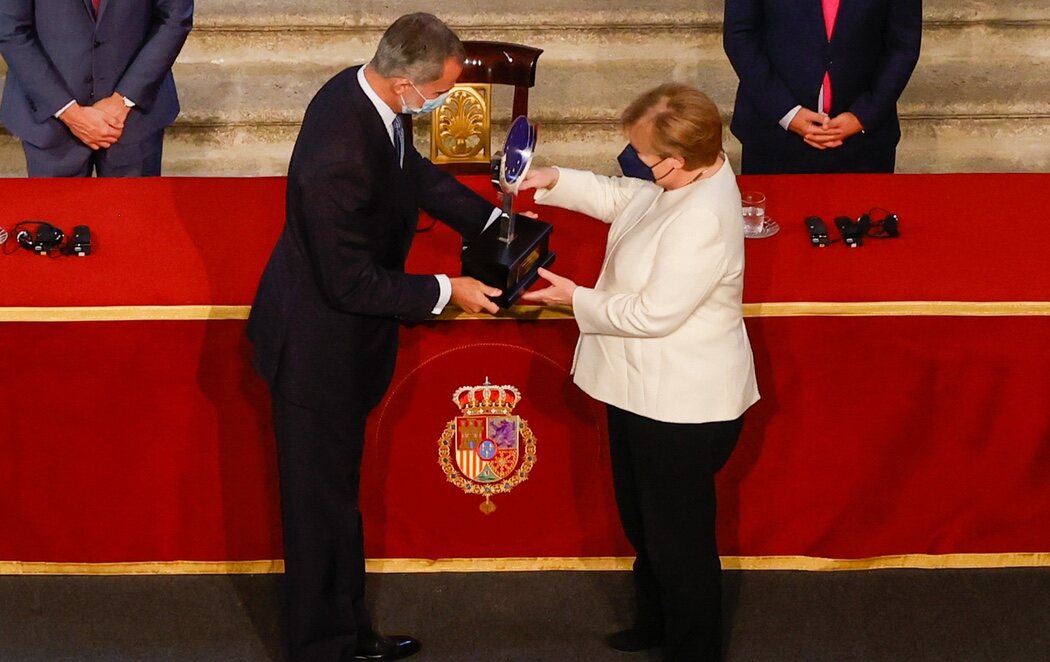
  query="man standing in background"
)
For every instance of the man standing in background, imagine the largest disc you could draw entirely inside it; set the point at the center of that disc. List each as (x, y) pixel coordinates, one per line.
(89, 85)
(819, 81)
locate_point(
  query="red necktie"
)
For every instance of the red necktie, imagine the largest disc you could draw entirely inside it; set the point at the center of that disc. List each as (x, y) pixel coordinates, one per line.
(831, 10)
(95, 4)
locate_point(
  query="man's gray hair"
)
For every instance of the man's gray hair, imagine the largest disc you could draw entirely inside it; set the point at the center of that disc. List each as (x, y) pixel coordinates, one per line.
(416, 47)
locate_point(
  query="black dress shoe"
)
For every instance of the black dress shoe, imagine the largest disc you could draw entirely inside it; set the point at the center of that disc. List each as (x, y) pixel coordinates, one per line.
(394, 647)
(633, 640)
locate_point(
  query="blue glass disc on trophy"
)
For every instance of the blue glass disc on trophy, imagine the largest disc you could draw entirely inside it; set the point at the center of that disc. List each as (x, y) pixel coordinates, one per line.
(518, 149)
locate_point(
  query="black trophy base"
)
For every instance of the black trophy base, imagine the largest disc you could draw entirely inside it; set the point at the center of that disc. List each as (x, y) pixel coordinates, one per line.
(510, 267)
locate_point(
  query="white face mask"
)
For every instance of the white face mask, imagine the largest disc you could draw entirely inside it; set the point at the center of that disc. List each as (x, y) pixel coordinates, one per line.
(429, 105)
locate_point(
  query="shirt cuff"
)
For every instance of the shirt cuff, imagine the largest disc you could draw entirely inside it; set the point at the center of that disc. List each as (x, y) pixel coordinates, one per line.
(445, 287)
(128, 102)
(786, 120)
(496, 213)
(64, 108)
(445, 283)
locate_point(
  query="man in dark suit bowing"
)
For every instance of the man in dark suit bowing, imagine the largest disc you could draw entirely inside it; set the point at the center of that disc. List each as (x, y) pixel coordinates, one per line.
(819, 81)
(324, 324)
(89, 85)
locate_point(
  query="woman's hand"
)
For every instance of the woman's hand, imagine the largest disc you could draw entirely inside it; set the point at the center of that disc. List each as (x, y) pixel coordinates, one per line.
(558, 293)
(545, 177)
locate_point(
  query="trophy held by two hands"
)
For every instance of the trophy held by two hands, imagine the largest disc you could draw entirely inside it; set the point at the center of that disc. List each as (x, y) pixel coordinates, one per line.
(509, 253)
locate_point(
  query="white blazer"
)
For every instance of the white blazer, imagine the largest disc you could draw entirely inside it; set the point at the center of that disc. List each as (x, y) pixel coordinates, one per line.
(662, 331)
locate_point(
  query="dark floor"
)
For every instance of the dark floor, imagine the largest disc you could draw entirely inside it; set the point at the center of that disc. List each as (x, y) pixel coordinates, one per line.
(892, 615)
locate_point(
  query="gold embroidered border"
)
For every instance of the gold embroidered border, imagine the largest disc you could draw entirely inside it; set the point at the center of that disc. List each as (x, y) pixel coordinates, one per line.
(896, 308)
(123, 313)
(771, 309)
(585, 564)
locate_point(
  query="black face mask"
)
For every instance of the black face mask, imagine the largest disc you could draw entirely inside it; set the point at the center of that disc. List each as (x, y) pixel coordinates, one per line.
(632, 166)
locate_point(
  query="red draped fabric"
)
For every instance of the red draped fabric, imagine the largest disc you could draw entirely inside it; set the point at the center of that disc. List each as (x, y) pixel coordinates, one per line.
(150, 440)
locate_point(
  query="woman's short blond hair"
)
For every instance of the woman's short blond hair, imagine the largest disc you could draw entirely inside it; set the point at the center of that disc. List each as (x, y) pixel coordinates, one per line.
(683, 122)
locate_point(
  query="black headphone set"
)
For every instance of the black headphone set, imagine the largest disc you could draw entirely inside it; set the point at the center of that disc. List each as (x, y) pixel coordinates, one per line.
(44, 238)
(853, 232)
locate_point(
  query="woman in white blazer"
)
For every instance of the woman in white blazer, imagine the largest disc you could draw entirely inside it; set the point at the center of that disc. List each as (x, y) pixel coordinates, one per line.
(663, 344)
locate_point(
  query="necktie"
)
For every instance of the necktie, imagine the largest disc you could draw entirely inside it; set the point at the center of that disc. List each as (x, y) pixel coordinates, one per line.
(831, 10)
(95, 4)
(399, 140)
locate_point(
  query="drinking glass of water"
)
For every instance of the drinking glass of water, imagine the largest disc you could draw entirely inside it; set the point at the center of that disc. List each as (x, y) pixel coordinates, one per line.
(754, 204)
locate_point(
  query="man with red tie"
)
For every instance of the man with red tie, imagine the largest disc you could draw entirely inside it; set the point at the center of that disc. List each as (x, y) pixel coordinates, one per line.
(89, 85)
(819, 81)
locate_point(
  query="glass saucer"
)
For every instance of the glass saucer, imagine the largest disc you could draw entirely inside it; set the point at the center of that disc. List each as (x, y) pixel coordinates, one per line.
(769, 228)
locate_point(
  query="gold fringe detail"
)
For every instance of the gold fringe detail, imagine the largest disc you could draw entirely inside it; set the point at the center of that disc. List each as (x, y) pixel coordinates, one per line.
(898, 309)
(582, 564)
(543, 313)
(586, 564)
(144, 568)
(900, 561)
(124, 313)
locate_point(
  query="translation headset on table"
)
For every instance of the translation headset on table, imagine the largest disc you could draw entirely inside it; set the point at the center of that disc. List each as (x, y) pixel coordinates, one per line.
(853, 232)
(43, 238)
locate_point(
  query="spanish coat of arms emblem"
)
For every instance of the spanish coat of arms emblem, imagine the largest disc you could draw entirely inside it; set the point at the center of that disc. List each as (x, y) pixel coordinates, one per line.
(487, 450)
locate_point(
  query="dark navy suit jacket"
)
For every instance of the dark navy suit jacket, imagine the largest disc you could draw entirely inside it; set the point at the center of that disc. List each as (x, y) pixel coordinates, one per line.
(325, 321)
(780, 51)
(56, 51)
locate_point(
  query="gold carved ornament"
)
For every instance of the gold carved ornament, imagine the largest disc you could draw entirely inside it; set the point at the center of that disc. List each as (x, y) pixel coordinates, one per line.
(460, 129)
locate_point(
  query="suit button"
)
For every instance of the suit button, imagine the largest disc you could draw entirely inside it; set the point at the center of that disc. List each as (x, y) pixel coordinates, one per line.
(87, 79)
(97, 43)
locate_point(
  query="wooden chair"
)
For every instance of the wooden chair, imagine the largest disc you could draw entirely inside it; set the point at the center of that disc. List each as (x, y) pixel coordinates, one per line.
(460, 133)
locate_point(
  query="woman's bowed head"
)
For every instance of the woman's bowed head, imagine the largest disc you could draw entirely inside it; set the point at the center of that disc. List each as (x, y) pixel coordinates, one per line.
(675, 131)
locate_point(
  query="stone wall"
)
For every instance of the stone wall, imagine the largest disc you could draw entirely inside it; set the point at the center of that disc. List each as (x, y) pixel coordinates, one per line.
(979, 99)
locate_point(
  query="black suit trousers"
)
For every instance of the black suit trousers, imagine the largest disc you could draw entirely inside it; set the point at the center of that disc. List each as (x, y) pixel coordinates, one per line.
(789, 155)
(319, 462)
(664, 479)
(75, 159)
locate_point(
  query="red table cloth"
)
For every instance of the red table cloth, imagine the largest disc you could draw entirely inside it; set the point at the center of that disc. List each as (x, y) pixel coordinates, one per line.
(905, 384)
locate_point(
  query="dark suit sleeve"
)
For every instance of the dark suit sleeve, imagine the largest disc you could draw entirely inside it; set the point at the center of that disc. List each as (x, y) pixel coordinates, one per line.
(340, 240)
(172, 21)
(447, 200)
(27, 61)
(744, 43)
(902, 39)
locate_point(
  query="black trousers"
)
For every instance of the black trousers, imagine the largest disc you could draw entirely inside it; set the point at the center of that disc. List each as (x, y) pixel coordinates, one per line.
(664, 478)
(319, 462)
(790, 155)
(75, 159)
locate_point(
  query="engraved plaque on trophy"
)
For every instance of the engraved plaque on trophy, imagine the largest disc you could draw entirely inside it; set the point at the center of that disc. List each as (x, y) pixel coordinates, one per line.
(511, 250)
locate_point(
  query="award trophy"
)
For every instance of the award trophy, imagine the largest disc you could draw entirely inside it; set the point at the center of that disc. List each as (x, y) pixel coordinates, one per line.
(511, 250)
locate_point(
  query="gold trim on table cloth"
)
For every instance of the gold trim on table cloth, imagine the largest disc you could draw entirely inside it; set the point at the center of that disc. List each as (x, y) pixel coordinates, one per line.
(582, 564)
(771, 309)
